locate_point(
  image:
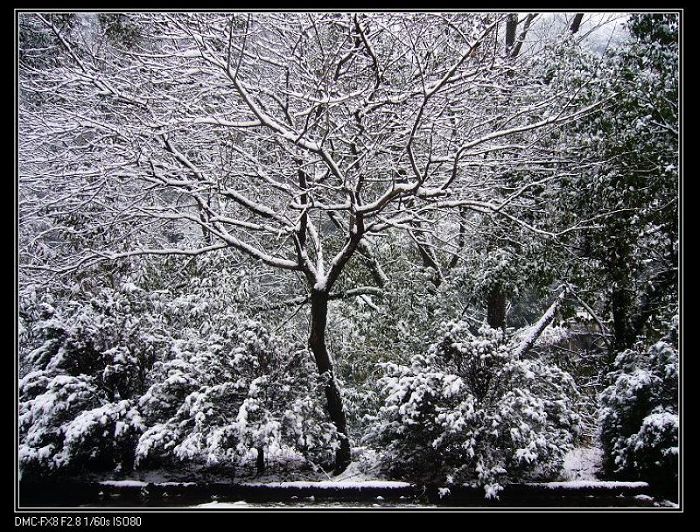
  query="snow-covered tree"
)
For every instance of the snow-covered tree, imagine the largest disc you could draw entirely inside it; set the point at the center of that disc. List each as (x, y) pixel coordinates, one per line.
(295, 139)
(628, 182)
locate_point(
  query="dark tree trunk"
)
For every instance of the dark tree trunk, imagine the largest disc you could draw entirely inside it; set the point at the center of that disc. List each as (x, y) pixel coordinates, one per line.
(620, 257)
(523, 34)
(429, 263)
(496, 309)
(260, 461)
(317, 343)
(623, 335)
(511, 26)
(657, 287)
(576, 24)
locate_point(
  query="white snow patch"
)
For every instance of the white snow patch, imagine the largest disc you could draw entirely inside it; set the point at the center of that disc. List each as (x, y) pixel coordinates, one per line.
(361, 470)
(584, 484)
(124, 483)
(217, 504)
(582, 463)
(443, 492)
(320, 284)
(330, 484)
(666, 504)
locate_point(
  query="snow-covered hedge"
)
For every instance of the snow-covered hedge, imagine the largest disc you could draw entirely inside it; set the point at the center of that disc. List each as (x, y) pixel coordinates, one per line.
(639, 415)
(220, 399)
(129, 376)
(470, 411)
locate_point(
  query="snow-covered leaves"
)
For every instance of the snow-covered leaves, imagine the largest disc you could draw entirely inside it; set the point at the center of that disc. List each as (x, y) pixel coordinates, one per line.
(469, 411)
(133, 375)
(84, 364)
(639, 414)
(219, 399)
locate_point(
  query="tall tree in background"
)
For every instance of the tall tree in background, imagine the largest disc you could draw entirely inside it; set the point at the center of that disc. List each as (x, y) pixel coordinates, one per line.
(632, 173)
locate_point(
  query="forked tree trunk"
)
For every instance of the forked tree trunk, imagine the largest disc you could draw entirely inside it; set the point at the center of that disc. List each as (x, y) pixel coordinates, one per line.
(317, 343)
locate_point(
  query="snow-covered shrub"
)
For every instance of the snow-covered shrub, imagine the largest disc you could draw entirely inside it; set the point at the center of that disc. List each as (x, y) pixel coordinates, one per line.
(639, 415)
(204, 383)
(469, 411)
(84, 363)
(46, 403)
(219, 399)
(67, 424)
(113, 336)
(105, 435)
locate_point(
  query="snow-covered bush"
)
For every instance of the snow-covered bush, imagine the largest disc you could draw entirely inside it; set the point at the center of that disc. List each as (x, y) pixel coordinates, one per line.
(469, 411)
(639, 415)
(46, 403)
(115, 376)
(66, 423)
(113, 336)
(220, 399)
(84, 364)
(105, 435)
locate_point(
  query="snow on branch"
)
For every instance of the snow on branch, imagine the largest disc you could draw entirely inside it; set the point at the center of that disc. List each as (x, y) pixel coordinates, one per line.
(536, 330)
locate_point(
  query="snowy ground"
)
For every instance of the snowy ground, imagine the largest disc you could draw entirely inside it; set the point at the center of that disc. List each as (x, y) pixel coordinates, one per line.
(582, 463)
(580, 473)
(332, 484)
(308, 502)
(590, 484)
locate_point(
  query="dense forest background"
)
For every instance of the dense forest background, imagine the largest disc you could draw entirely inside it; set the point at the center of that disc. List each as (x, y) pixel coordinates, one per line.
(442, 246)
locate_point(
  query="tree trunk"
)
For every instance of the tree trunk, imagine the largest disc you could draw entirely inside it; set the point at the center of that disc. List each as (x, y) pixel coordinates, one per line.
(511, 26)
(523, 34)
(621, 297)
(652, 298)
(429, 262)
(317, 343)
(623, 335)
(576, 24)
(496, 309)
(260, 461)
